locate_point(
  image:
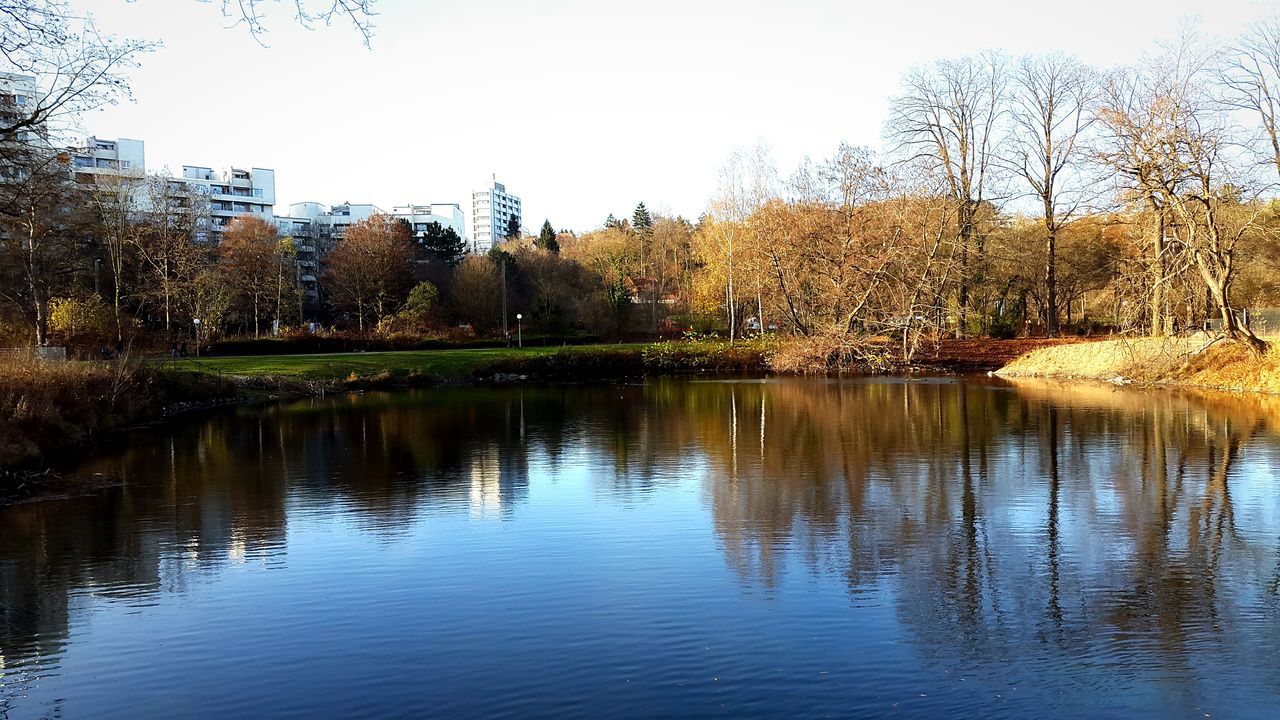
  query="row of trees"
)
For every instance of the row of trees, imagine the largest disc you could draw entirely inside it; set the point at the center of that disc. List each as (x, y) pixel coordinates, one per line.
(138, 247)
(1149, 187)
(1013, 195)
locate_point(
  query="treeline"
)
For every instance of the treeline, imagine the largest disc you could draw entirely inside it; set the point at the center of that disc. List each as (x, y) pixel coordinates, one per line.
(1013, 196)
(1019, 195)
(110, 259)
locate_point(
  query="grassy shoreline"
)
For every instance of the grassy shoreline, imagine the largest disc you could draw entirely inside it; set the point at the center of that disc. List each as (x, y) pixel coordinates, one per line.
(1197, 362)
(54, 414)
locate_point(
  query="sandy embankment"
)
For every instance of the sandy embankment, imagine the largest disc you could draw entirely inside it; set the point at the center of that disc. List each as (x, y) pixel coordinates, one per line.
(1182, 362)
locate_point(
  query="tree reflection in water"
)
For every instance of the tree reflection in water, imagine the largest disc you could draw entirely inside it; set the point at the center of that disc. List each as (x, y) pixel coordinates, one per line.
(994, 515)
(1080, 517)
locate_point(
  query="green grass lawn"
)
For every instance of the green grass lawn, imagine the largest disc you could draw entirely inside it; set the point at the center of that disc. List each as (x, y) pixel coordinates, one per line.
(337, 366)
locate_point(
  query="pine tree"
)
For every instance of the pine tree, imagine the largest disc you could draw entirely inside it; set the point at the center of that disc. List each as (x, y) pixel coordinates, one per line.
(612, 222)
(547, 238)
(513, 227)
(443, 244)
(641, 220)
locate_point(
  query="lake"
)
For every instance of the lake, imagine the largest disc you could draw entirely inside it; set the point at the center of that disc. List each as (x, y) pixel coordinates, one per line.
(906, 547)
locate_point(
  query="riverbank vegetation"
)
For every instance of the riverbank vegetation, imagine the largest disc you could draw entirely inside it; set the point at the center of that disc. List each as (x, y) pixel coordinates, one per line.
(1199, 361)
(51, 412)
(1013, 197)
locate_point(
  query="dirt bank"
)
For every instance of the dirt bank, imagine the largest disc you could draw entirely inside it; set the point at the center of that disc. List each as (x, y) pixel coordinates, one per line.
(1196, 362)
(984, 354)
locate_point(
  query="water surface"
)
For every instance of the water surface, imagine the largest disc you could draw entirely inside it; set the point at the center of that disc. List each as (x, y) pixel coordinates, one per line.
(911, 548)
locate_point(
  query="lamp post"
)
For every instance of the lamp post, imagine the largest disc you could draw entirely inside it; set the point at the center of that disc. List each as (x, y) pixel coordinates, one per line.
(197, 324)
(519, 330)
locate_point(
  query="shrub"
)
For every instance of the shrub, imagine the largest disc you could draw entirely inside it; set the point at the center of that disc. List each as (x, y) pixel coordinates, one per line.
(823, 354)
(51, 409)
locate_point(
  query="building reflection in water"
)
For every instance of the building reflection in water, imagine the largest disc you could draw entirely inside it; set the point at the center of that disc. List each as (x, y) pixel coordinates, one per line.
(994, 515)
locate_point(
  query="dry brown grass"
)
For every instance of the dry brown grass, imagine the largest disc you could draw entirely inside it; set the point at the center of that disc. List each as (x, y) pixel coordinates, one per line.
(49, 410)
(1186, 362)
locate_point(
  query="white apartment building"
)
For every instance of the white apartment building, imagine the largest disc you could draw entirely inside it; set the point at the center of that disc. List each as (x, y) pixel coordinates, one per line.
(233, 192)
(309, 245)
(491, 209)
(332, 222)
(448, 215)
(314, 229)
(99, 155)
(18, 99)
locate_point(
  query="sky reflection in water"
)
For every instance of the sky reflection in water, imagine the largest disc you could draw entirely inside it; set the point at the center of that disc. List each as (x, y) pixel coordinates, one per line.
(675, 548)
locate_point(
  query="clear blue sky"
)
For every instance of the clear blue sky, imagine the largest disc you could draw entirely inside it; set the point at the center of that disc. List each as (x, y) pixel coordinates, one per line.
(582, 107)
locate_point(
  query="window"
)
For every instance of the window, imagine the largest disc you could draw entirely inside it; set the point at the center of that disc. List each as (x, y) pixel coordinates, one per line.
(126, 164)
(257, 192)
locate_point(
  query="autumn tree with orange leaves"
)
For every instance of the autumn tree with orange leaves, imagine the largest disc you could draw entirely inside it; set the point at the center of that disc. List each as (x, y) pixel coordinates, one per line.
(367, 273)
(247, 253)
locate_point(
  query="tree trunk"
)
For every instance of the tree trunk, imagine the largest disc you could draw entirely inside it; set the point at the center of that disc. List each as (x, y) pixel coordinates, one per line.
(1158, 277)
(116, 309)
(42, 321)
(967, 212)
(1051, 283)
(1231, 325)
(732, 324)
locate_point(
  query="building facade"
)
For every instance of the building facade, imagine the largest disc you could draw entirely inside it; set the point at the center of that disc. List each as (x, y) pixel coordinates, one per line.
(17, 102)
(232, 192)
(492, 208)
(448, 215)
(98, 155)
(314, 229)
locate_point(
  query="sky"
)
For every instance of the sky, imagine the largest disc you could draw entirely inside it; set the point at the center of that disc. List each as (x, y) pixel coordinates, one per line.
(581, 107)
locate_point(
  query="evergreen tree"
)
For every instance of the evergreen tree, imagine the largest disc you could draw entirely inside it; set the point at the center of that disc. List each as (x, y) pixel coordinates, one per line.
(547, 238)
(641, 220)
(612, 222)
(443, 244)
(513, 227)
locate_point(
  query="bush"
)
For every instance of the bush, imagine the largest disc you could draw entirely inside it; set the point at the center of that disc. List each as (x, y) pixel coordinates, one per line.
(823, 354)
(706, 356)
(51, 409)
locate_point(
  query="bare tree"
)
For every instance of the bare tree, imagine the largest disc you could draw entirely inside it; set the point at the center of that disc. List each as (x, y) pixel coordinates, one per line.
(748, 179)
(1175, 148)
(1250, 79)
(307, 13)
(177, 216)
(75, 68)
(117, 203)
(1050, 98)
(72, 66)
(1135, 107)
(41, 241)
(947, 117)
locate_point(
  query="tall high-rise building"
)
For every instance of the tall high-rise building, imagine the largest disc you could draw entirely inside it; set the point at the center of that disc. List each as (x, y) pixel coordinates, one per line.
(491, 210)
